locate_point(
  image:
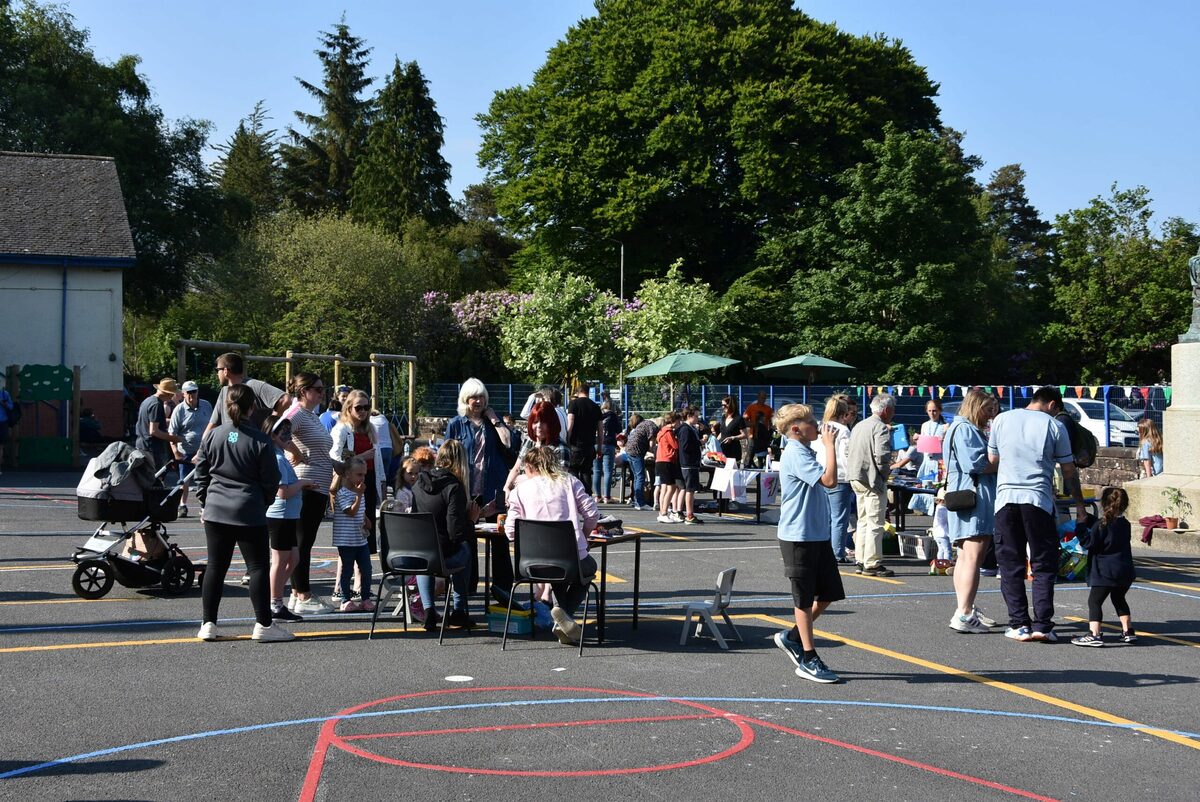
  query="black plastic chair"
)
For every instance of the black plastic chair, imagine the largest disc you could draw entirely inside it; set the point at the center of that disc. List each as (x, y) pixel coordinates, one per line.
(409, 546)
(545, 551)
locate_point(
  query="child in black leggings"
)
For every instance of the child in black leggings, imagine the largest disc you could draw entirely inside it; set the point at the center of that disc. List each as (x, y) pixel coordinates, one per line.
(1110, 567)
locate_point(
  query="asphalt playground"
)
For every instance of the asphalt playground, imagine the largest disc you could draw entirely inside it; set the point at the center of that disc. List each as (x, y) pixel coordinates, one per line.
(115, 699)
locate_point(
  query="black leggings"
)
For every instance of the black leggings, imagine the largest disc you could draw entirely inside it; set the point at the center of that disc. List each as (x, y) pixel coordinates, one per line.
(1096, 597)
(252, 540)
(312, 513)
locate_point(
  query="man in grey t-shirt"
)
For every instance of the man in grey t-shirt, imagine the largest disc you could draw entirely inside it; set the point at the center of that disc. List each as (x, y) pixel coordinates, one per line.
(231, 370)
(1026, 444)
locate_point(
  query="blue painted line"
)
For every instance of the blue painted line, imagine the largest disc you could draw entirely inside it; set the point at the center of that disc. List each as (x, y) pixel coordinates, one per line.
(1167, 592)
(592, 700)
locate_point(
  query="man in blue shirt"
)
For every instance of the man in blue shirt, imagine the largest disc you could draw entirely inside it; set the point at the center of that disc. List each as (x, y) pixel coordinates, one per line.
(805, 535)
(1026, 444)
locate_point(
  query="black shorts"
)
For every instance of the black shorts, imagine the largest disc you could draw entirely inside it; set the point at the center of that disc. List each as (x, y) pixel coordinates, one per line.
(814, 572)
(666, 473)
(282, 532)
(690, 478)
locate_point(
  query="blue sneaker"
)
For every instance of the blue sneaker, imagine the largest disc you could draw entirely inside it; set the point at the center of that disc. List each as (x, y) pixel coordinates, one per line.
(791, 648)
(816, 670)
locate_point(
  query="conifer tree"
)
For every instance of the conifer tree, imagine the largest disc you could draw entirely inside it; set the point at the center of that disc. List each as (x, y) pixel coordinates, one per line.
(319, 165)
(402, 173)
(248, 171)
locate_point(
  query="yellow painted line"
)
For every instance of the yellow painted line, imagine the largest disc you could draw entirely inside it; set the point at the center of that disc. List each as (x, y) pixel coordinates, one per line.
(1141, 633)
(883, 579)
(613, 580)
(415, 629)
(1158, 564)
(1192, 588)
(57, 567)
(639, 530)
(1001, 685)
(69, 601)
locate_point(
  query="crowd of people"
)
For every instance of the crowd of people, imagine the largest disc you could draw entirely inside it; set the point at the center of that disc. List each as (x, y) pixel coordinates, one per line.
(1000, 469)
(269, 467)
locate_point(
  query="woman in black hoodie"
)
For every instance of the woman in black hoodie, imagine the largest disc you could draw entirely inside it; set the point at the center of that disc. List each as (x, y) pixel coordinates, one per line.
(442, 492)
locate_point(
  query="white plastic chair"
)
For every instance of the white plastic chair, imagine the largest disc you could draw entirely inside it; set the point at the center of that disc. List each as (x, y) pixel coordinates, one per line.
(704, 611)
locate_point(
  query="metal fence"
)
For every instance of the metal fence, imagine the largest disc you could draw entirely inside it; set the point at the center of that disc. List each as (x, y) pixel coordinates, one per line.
(650, 400)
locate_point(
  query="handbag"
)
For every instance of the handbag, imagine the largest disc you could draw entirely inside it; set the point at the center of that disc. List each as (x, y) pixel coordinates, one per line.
(959, 500)
(506, 453)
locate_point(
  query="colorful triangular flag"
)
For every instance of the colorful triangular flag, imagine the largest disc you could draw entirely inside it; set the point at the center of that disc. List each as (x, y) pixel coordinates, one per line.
(941, 392)
(1128, 392)
(1000, 390)
(1062, 389)
(1024, 392)
(1167, 394)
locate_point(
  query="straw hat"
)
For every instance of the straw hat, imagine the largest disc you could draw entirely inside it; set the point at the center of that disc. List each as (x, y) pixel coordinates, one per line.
(167, 386)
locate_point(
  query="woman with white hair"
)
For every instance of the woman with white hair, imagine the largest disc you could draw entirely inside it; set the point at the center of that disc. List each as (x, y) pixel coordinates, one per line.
(484, 437)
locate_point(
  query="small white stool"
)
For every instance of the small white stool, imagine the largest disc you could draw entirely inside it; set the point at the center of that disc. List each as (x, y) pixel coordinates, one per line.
(704, 611)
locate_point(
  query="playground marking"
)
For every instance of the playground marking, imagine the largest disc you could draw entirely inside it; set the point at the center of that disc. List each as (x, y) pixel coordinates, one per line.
(1140, 632)
(1192, 588)
(641, 531)
(68, 601)
(883, 579)
(999, 685)
(54, 567)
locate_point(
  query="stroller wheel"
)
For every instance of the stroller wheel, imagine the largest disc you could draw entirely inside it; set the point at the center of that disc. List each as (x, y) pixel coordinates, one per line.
(92, 579)
(178, 575)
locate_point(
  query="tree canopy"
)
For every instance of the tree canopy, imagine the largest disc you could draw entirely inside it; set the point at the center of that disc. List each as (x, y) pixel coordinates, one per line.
(680, 126)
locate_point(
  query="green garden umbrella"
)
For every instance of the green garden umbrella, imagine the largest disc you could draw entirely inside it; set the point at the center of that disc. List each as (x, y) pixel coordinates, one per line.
(683, 361)
(811, 367)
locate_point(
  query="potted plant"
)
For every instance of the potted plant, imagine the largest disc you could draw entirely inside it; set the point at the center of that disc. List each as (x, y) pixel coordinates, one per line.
(1177, 506)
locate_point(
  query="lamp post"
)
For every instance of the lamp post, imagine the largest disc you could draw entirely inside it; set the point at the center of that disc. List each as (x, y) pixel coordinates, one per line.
(620, 294)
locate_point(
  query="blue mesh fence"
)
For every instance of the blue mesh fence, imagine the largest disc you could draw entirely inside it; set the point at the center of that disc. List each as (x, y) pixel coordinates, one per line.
(651, 400)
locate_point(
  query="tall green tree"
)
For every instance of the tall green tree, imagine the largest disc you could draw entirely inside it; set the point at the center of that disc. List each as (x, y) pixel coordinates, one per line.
(319, 165)
(682, 126)
(1121, 294)
(1018, 292)
(402, 173)
(669, 313)
(889, 275)
(248, 171)
(56, 97)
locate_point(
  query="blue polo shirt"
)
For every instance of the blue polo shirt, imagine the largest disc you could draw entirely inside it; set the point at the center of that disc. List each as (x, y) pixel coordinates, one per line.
(804, 504)
(1028, 443)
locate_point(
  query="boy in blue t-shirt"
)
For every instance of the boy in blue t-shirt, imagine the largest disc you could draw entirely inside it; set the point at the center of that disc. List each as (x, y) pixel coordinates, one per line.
(805, 534)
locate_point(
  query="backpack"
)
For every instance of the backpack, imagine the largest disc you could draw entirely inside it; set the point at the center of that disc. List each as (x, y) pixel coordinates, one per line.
(14, 414)
(1083, 442)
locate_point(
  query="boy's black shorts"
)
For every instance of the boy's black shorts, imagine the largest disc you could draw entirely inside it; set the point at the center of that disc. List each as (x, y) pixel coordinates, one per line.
(282, 532)
(690, 478)
(666, 473)
(814, 572)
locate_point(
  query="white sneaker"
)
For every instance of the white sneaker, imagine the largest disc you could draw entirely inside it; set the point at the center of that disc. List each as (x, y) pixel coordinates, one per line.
(208, 631)
(566, 629)
(971, 624)
(310, 606)
(983, 619)
(1044, 637)
(272, 634)
(666, 519)
(676, 518)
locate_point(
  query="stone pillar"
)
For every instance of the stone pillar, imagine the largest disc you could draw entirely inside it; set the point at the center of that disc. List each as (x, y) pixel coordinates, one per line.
(1181, 442)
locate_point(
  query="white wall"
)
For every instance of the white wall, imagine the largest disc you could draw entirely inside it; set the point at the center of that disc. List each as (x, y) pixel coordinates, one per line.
(31, 321)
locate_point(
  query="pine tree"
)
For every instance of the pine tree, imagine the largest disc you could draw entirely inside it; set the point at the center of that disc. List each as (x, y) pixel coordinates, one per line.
(319, 166)
(402, 173)
(248, 172)
(1022, 236)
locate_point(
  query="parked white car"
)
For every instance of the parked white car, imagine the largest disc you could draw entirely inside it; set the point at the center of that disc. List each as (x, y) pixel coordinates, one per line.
(1090, 415)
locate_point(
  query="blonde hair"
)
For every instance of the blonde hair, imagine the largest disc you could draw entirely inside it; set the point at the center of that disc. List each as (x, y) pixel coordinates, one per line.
(544, 461)
(453, 457)
(975, 407)
(791, 414)
(836, 406)
(471, 388)
(339, 477)
(346, 416)
(1148, 433)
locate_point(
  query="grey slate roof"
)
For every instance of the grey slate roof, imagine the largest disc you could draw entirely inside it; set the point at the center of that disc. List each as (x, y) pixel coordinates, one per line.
(57, 205)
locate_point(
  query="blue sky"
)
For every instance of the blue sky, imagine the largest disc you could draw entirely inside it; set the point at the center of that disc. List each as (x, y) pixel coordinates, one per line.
(1082, 94)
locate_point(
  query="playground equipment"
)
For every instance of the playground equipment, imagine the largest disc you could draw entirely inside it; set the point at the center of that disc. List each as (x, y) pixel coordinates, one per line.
(42, 390)
(385, 375)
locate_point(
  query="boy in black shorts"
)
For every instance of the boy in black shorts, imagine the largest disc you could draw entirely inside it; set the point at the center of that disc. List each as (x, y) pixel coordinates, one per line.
(805, 535)
(689, 462)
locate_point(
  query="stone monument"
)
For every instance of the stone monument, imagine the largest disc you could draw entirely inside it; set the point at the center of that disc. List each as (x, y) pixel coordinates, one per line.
(1181, 426)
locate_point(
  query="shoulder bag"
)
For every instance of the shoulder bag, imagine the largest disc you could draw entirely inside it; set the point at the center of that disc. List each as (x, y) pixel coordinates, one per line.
(959, 500)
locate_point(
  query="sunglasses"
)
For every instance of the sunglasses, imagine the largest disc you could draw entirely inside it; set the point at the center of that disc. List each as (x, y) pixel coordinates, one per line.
(361, 408)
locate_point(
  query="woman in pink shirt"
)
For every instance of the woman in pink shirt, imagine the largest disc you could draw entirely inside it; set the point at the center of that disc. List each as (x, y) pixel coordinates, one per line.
(549, 493)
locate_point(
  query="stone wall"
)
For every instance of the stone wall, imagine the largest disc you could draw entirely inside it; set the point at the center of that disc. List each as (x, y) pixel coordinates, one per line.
(1113, 467)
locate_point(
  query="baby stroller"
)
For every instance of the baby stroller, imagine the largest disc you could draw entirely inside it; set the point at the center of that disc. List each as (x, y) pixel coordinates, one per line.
(117, 487)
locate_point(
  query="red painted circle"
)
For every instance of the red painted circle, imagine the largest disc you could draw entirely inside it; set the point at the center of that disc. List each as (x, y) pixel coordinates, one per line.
(746, 734)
